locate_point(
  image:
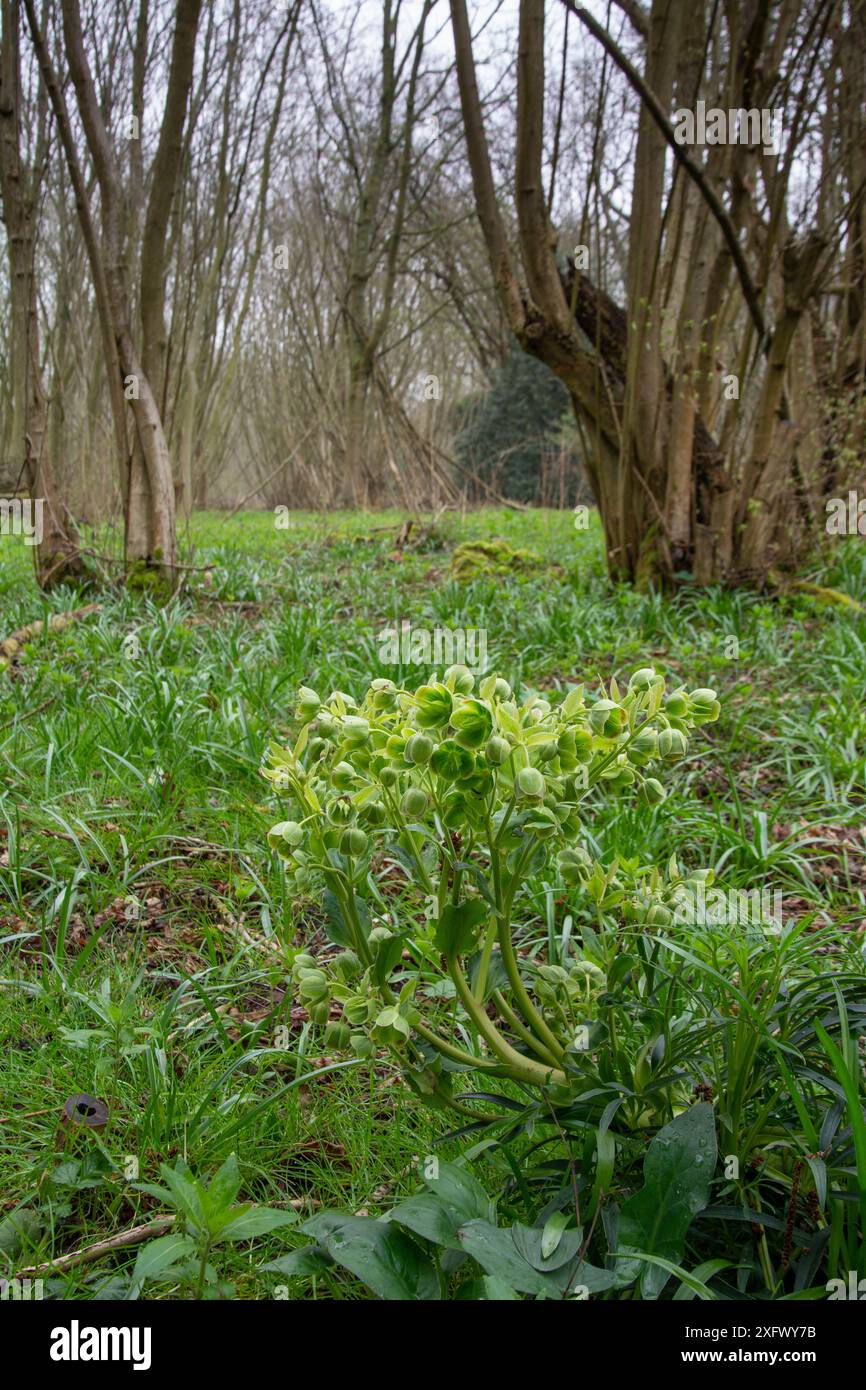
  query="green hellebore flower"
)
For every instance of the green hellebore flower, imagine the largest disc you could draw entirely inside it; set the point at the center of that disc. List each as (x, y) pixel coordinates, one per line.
(529, 784)
(303, 961)
(384, 693)
(547, 752)
(347, 965)
(652, 792)
(340, 811)
(337, 1036)
(677, 704)
(362, 1046)
(643, 747)
(450, 760)
(672, 744)
(543, 823)
(658, 915)
(396, 747)
(413, 803)
(355, 730)
(643, 679)
(309, 704)
(459, 678)
(357, 1010)
(320, 1013)
(472, 723)
(288, 832)
(582, 745)
(433, 705)
(326, 724)
(607, 718)
(389, 776)
(502, 690)
(419, 749)
(342, 775)
(378, 935)
(353, 842)
(497, 750)
(303, 878)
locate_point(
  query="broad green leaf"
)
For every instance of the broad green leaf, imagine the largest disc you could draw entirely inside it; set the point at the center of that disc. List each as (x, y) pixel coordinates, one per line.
(457, 927)
(160, 1254)
(310, 1259)
(254, 1221)
(391, 1265)
(678, 1169)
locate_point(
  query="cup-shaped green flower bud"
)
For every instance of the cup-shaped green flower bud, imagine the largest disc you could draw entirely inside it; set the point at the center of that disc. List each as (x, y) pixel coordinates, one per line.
(309, 704)
(497, 750)
(704, 706)
(337, 1037)
(583, 748)
(472, 723)
(450, 760)
(643, 679)
(347, 965)
(643, 747)
(303, 879)
(574, 864)
(672, 744)
(677, 704)
(413, 803)
(652, 792)
(378, 935)
(313, 986)
(317, 749)
(389, 776)
(396, 747)
(433, 705)
(547, 752)
(459, 678)
(383, 693)
(285, 836)
(357, 1010)
(342, 775)
(657, 915)
(362, 1046)
(353, 842)
(391, 1028)
(320, 1013)
(543, 823)
(529, 784)
(374, 813)
(607, 718)
(340, 811)
(419, 749)
(303, 961)
(355, 730)
(326, 724)
(502, 690)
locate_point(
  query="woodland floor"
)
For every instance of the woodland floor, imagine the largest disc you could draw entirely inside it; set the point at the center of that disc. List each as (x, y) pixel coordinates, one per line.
(142, 916)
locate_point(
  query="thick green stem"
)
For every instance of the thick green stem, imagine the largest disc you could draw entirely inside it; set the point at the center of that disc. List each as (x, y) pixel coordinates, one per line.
(520, 1067)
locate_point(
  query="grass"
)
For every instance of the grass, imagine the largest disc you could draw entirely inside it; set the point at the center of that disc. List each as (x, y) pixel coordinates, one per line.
(144, 923)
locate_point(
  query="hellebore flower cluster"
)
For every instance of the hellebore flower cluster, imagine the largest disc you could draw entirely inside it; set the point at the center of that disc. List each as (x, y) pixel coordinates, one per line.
(472, 795)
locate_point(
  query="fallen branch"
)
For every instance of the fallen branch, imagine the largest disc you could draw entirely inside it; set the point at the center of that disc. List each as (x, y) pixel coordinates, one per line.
(11, 645)
(133, 1236)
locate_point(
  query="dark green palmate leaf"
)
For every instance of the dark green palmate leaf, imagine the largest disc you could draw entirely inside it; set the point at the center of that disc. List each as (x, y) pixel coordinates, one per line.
(677, 1173)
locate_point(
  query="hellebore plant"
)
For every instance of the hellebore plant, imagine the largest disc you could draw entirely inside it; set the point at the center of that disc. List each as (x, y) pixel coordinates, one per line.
(472, 794)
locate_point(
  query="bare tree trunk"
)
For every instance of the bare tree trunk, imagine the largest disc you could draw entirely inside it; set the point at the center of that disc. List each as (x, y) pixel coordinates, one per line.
(57, 556)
